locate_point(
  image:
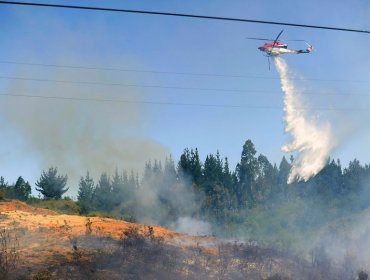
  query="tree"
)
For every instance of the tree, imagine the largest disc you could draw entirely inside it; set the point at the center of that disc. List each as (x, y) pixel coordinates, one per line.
(118, 188)
(190, 166)
(328, 183)
(103, 194)
(229, 182)
(284, 170)
(3, 187)
(86, 193)
(52, 185)
(21, 189)
(212, 174)
(216, 195)
(3, 184)
(266, 179)
(133, 181)
(246, 172)
(353, 176)
(169, 173)
(227, 178)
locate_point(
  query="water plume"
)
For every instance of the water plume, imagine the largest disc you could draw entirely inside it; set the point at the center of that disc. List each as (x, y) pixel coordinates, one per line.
(311, 138)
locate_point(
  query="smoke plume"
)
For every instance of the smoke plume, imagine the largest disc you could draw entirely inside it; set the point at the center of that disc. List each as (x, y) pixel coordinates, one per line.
(311, 138)
(192, 226)
(76, 136)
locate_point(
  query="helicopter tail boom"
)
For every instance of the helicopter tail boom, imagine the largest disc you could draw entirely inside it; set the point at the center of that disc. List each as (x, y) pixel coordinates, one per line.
(308, 50)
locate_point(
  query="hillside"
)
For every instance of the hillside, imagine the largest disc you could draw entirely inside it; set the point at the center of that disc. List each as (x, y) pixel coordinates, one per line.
(39, 243)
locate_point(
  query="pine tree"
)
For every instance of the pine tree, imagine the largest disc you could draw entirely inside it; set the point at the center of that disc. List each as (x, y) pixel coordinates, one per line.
(196, 166)
(212, 185)
(246, 172)
(169, 174)
(21, 189)
(3, 188)
(118, 188)
(3, 184)
(103, 194)
(52, 185)
(228, 181)
(327, 183)
(183, 165)
(226, 175)
(284, 170)
(266, 179)
(190, 167)
(133, 181)
(86, 193)
(353, 175)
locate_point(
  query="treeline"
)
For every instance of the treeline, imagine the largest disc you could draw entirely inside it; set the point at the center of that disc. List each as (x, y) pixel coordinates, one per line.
(207, 190)
(19, 190)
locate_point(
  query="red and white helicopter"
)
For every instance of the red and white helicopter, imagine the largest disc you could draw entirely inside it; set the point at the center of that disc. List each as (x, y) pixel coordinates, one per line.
(275, 48)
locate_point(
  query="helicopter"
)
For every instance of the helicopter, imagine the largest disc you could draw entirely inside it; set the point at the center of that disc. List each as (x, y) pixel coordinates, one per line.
(275, 48)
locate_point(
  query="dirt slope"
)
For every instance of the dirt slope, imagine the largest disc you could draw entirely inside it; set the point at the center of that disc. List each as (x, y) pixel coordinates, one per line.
(50, 245)
(31, 218)
(45, 236)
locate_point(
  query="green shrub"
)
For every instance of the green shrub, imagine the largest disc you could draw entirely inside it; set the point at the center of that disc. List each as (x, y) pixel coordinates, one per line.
(65, 206)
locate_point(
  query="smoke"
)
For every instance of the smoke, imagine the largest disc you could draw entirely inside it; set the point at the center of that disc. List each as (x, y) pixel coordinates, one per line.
(311, 138)
(192, 226)
(76, 136)
(162, 197)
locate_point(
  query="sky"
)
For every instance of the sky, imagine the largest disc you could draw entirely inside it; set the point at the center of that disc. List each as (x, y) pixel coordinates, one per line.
(223, 70)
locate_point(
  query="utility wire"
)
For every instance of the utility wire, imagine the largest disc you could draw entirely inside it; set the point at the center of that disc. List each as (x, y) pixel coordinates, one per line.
(177, 103)
(173, 73)
(181, 15)
(134, 70)
(124, 85)
(209, 90)
(138, 102)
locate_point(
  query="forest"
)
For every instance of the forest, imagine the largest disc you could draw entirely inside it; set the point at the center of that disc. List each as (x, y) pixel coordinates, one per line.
(251, 202)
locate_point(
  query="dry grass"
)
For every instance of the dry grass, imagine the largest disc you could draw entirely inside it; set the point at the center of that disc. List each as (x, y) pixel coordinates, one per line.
(49, 245)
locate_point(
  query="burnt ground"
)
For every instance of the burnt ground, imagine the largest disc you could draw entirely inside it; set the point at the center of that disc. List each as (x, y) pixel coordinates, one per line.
(41, 244)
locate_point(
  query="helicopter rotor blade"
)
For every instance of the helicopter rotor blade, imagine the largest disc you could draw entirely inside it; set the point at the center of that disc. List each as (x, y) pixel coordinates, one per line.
(259, 39)
(277, 37)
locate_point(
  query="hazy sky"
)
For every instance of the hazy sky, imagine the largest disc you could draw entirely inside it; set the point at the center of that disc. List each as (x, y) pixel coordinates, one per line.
(77, 135)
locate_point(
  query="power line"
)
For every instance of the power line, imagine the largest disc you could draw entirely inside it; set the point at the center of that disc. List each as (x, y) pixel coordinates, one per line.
(182, 15)
(134, 70)
(66, 98)
(114, 69)
(137, 101)
(210, 90)
(126, 85)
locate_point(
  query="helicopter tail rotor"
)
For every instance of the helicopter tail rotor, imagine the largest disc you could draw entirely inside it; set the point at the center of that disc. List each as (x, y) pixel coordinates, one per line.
(309, 47)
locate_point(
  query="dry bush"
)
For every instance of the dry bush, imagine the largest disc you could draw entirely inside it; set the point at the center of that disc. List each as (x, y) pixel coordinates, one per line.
(42, 275)
(145, 255)
(223, 261)
(88, 227)
(142, 255)
(196, 263)
(363, 275)
(278, 277)
(2, 194)
(9, 253)
(135, 256)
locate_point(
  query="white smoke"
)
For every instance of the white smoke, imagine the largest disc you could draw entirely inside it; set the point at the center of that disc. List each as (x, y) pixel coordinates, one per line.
(192, 226)
(311, 139)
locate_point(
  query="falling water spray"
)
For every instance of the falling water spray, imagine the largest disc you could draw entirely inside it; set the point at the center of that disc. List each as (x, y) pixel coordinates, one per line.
(310, 138)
